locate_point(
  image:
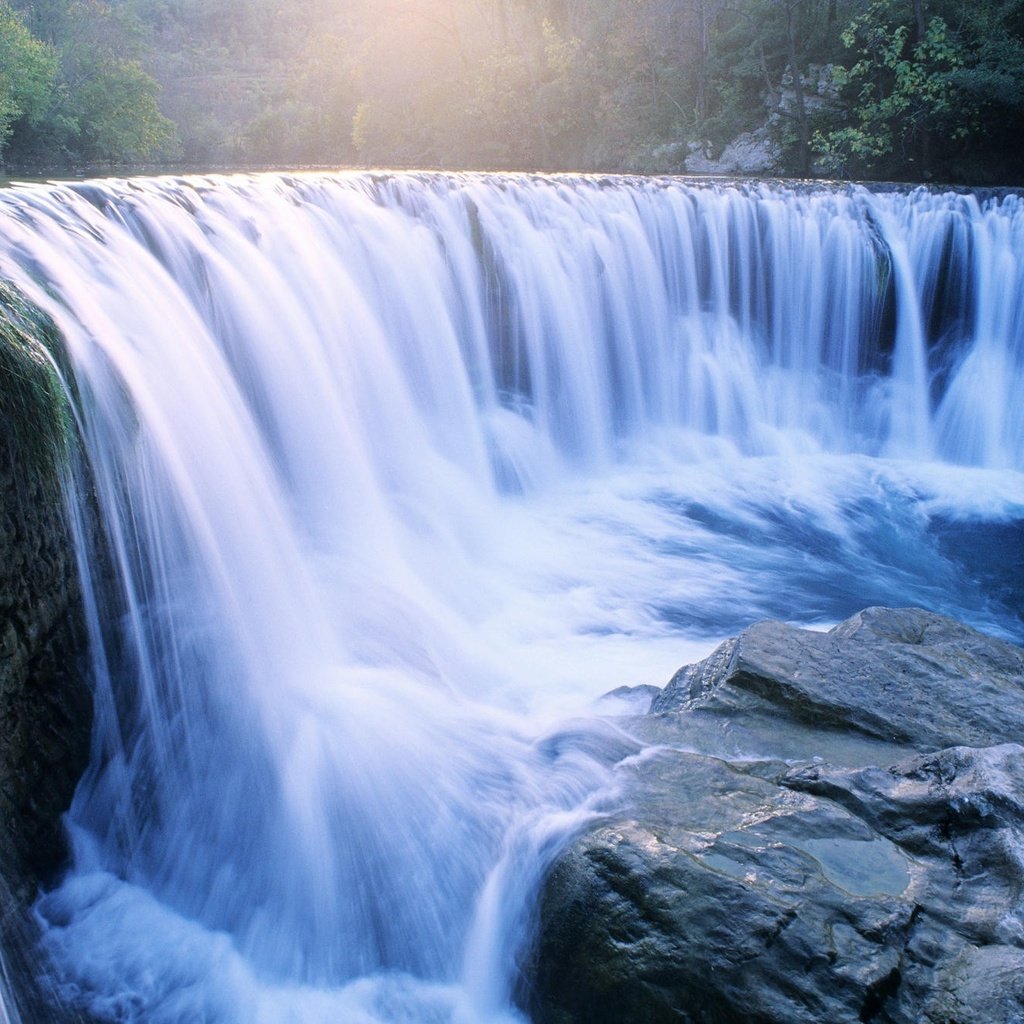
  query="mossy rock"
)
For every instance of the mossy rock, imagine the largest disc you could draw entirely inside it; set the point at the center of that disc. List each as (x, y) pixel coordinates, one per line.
(45, 702)
(36, 419)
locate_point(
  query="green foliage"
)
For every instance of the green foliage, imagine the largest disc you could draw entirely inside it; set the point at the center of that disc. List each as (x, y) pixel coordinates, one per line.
(899, 90)
(80, 97)
(28, 69)
(564, 110)
(993, 75)
(108, 103)
(924, 86)
(115, 109)
(35, 412)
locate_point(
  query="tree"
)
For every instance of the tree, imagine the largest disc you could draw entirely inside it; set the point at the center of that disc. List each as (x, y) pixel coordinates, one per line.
(107, 100)
(113, 103)
(902, 92)
(28, 70)
(925, 86)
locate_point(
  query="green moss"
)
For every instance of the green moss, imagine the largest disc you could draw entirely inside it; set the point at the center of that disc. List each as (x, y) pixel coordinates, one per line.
(36, 421)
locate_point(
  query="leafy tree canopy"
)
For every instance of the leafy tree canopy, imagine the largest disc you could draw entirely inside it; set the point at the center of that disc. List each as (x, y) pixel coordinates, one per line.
(894, 88)
(28, 70)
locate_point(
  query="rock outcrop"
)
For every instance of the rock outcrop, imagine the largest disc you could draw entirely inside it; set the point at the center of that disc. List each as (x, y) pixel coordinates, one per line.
(45, 706)
(905, 676)
(762, 151)
(827, 827)
(757, 152)
(45, 711)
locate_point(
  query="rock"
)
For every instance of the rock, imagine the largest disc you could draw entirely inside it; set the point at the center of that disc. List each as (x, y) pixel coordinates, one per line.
(45, 706)
(627, 700)
(906, 676)
(709, 904)
(755, 152)
(761, 151)
(786, 889)
(45, 703)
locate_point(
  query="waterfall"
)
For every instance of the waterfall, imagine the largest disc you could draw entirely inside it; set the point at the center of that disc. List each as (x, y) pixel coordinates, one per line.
(399, 471)
(8, 1012)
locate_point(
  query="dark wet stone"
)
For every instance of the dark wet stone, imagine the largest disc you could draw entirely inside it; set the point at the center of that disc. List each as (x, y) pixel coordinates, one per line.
(904, 676)
(45, 702)
(885, 888)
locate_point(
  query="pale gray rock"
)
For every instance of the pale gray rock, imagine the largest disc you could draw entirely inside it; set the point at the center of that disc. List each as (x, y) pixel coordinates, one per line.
(755, 152)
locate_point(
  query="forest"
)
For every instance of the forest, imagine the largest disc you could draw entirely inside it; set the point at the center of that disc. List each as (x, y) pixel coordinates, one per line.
(918, 90)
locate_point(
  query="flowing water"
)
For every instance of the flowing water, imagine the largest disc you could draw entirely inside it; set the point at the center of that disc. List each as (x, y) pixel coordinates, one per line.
(399, 472)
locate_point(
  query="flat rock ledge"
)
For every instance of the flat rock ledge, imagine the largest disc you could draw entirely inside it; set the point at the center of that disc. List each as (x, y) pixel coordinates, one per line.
(824, 827)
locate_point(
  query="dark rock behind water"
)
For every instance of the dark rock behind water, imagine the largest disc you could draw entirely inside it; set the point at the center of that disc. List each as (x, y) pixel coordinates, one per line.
(45, 704)
(827, 827)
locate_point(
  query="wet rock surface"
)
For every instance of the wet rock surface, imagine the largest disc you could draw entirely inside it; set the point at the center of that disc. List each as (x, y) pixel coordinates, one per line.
(45, 704)
(45, 711)
(905, 676)
(45, 708)
(825, 827)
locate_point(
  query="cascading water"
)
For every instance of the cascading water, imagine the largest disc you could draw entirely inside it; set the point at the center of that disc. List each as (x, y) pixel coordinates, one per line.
(397, 471)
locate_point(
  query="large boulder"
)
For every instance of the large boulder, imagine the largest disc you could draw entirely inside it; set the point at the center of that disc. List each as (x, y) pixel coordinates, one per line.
(901, 675)
(827, 827)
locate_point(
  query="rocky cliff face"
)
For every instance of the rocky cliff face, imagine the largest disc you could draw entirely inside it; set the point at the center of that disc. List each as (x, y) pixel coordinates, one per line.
(45, 708)
(827, 827)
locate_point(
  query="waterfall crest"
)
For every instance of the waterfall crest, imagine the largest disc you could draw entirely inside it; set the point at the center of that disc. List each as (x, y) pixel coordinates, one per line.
(396, 470)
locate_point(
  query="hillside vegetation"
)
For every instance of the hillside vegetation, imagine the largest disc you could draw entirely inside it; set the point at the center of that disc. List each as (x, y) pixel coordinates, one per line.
(909, 89)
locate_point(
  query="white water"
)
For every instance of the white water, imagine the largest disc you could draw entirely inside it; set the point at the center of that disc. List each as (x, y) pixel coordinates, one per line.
(8, 1007)
(400, 471)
